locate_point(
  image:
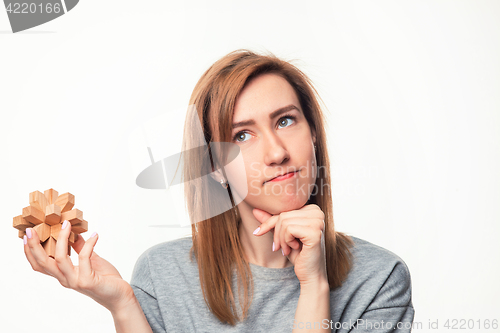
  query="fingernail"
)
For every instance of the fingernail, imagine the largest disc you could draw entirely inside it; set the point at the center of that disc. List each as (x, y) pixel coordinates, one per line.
(28, 232)
(25, 240)
(256, 230)
(273, 246)
(95, 233)
(65, 224)
(283, 253)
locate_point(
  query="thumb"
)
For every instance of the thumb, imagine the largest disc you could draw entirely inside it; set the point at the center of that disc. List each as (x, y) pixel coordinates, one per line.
(261, 215)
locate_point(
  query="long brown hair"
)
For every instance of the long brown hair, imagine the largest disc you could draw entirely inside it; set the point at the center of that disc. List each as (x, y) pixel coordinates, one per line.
(216, 244)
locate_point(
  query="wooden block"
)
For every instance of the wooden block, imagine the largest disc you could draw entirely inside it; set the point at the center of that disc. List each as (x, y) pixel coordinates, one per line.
(74, 216)
(50, 247)
(56, 229)
(21, 224)
(21, 233)
(45, 215)
(66, 201)
(52, 214)
(38, 200)
(80, 227)
(33, 215)
(43, 231)
(72, 237)
(51, 195)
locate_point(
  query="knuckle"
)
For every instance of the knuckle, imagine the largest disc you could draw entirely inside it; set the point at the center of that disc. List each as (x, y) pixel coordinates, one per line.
(286, 215)
(59, 258)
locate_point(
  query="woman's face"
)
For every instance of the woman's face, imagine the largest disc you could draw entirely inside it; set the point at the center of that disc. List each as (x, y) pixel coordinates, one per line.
(275, 139)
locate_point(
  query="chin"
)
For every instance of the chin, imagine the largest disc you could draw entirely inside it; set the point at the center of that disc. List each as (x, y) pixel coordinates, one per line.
(280, 205)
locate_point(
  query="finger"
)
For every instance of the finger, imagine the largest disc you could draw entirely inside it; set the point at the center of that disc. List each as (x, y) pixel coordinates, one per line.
(292, 256)
(268, 225)
(310, 207)
(44, 261)
(61, 256)
(294, 244)
(261, 215)
(288, 238)
(312, 211)
(276, 236)
(308, 236)
(84, 256)
(34, 264)
(321, 224)
(280, 234)
(285, 249)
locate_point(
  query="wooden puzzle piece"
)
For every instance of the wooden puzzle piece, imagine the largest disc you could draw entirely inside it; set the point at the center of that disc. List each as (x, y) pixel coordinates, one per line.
(43, 231)
(51, 195)
(74, 216)
(50, 247)
(56, 229)
(38, 200)
(80, 227)
(33, 215)
(66, 201)
(45, 215)
(21, 224)
(52, 214)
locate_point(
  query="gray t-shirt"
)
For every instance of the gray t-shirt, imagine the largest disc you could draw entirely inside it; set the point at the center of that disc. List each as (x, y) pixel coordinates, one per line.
(375, 297)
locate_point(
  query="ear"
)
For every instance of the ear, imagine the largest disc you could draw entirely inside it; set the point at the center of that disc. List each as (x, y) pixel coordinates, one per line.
(217, 176)
(313, 134)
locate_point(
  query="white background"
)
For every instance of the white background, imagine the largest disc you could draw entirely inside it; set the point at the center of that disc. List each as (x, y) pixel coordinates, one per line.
(413, 107)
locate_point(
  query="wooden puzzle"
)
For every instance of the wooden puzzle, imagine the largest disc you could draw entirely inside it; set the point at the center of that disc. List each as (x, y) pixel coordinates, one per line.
(46, 213)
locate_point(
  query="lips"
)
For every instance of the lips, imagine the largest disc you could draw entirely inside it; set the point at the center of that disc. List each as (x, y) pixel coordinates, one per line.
(283, 177)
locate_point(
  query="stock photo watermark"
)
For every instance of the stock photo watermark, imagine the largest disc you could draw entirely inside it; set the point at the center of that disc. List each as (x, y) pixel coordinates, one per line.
(431, 324)
(25, 15)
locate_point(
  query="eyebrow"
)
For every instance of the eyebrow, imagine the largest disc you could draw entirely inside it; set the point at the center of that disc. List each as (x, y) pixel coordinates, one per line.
(271, 116)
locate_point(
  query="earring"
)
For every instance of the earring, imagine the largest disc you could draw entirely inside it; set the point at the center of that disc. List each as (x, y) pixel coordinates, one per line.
(223, 183)
(314, 147)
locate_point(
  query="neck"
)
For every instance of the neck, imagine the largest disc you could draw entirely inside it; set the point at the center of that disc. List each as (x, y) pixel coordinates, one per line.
(258, 249)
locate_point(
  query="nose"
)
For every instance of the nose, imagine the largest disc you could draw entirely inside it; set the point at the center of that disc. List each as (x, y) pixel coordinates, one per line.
(275, 150)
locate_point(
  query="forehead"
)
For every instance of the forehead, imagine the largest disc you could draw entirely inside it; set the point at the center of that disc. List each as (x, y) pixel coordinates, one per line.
(263, 95)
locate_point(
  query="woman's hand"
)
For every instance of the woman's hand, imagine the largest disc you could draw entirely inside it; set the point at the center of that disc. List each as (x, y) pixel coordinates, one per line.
(94, 277)
(300, 235)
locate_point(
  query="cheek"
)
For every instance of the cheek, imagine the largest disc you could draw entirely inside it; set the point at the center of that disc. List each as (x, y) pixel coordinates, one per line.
(236, 172)
(253, 176)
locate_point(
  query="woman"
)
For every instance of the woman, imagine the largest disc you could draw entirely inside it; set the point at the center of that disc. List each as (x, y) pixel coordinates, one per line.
(264, 255)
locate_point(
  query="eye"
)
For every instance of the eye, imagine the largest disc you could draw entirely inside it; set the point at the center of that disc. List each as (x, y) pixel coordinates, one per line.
(240, 136)
(286, 120)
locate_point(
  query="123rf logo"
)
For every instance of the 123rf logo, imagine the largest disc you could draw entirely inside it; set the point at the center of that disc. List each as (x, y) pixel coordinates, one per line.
(31, 13)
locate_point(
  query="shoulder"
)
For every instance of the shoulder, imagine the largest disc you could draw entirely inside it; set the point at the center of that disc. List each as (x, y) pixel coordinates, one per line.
(163, 259)
(369, 254)
(172, 250)
(382, 276)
